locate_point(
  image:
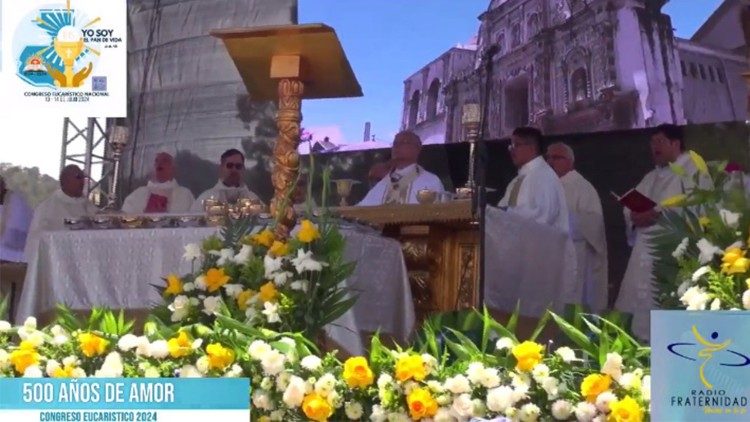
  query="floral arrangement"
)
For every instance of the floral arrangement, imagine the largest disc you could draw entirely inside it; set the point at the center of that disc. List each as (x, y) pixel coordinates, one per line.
(600, 378)
(701, 246)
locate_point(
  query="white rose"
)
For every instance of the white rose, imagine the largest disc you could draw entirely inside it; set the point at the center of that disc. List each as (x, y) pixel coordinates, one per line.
(585, 411)
(143, 347)
(225, 255)
(551, 386)
(561, 410)
(188, 287)
(4, 359)
(159, 349)
(443, 415)
(700, 272)
(151, 372)
(234, 372)
(271, 311)
(410, 386)
(458, 384)
(52, 366)
(325, 385)
(244, 254)
(200, 283)
(233, 290)
(529, 412)
(603, 401)
(5, 326)
(280, 278)
(566, 353)
(295, 392)
(262, 400)
(430, 362)
(190, 371)
(646, 388)
(33, 371)
(680, 250)
(127, 342)
(521, 382)
(384, 380)
(540, 372)
(463, 406)
(613, 366)
(59, 335)
(192, 251)
(353, 410)
(30, 323)
(695, 299)
(630, 381)
(746, 299)
(504, 343)
(707, 251)
(258, 349)
(70, 361)
(282, 381)
(500, 398)
(716, 305)
(377, 414)
(271, 265)
(180, 308)
(111, 368)
(475, 372)
(211, 305)
(202, 364)
(273, 362)
(78, 373)
(311, 363)
(731, 219)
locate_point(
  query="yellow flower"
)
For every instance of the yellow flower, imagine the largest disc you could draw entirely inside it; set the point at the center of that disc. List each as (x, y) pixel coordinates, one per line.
(264, 238)
(268, 292)
(747, 281)
(278, 249)
(180, 346)
(215, 278)
(421, 404)
(174, 285)
(704, 222)
(264, 419)
(219, 357)
(409, 367)
(625, 410)
(674, 201)
(734, 261)
(699, 162)
(63, 372)
(243, 297)
(307, 232)
(92, 345)
(24, 356)
(528, 354)
(593, 385)
(316, 407)
(357, 372)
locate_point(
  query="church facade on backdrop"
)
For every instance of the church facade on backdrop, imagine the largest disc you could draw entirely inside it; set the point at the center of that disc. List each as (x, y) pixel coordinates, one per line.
(567, 66)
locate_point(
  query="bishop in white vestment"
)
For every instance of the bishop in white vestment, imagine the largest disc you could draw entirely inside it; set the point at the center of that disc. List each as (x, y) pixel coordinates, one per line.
(586, 226)
(162, 194)
(636, 290)
(15, 218)
(405, 177)
(230, 186)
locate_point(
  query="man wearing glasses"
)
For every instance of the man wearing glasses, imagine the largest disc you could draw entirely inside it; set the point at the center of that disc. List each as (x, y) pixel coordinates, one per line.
(162, 194)
(230, 186)
(404, 177)
(536, 192)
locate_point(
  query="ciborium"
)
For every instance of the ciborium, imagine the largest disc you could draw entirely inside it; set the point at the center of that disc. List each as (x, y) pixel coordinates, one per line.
(118, 139)
(68, 45)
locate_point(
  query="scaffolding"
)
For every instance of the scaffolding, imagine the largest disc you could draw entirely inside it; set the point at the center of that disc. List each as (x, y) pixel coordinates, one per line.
(86, 144)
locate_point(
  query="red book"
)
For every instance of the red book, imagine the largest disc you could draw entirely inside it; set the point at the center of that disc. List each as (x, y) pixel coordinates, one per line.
(635, 201)
(156, 204)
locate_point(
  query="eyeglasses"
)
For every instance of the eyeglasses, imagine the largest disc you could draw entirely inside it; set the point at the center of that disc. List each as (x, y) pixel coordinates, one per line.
(238, 166)
(512, 146)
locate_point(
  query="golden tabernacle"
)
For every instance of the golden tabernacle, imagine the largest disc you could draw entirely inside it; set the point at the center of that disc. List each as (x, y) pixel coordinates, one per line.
(441, 248)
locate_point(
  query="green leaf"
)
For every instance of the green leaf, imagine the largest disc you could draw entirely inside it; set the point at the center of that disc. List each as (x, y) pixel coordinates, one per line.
(513, 321)
(575, 335)
(540, 326)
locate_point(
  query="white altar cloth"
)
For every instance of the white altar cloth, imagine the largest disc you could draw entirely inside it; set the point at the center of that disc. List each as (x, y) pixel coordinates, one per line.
(117, 268)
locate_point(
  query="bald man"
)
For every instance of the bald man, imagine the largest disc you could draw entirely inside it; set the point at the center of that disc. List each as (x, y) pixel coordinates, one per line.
(66, 202)
(162, 194)
(586, 226)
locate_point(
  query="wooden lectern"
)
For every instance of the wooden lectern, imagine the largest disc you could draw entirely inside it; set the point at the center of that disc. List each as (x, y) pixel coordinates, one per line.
(288, 63)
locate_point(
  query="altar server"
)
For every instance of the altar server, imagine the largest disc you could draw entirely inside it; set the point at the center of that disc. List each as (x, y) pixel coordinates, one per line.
(536, 192)
(586, 226)
(67, 202)
(230, 186)
(404, 177)
(15, 218)
(162, 194)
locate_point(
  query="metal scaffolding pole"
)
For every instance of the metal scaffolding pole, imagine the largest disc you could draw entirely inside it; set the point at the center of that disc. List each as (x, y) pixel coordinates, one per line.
(86, 144)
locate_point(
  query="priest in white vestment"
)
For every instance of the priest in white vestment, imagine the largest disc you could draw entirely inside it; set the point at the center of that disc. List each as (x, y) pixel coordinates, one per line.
(536, 192)
(230, 186)
(405, 177)
(162, 194)
(586, 226)
(66, 202)
(636, 290)
(15, 218)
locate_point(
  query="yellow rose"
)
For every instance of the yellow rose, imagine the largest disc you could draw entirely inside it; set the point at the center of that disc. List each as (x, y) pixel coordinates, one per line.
(307, 232)
(528, 354)
(215, 278)
(174, 285)
(66, 372)
(357, 372)
(219, 357)
(700, 163)
(264, 238)
(180, 346)
(674, 201)
(278, 249)
(734, 261)
(92, 345)
(316, 407)
(625, 410)
(593, 385)
(243, 297)
(409, 367)
(268, 292)
(421, 404)
(24, 356)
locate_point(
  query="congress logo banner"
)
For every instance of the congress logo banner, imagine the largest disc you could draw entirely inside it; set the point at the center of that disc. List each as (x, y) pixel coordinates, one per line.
(700, 366)
(65, 58)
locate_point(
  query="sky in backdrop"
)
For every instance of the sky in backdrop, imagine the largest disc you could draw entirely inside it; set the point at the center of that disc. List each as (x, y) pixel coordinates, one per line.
(385, 41)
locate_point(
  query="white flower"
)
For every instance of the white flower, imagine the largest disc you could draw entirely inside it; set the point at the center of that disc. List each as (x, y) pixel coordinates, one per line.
(180, 308)
(159, 349)
(716, 305)
(613, 366)
(561, 410)
(540, 371)
(151, 372)
(143, 347)
(384, 380)
(630, 381)
(707, 251)
(603, 401)
(746, 299)
(234, 372)
(202, 364)
(500, 398)
(33, 371)
(682, 288)
(273, 362)
(475, 372)
(551, 386)
(295, 392)
(280, 278)
(521, 382)
(566, 353)
(111, 368)
(282, 381)
(490, 378)
(429, 362)
(190, 371)
(70, 361)
(443, 415)
(529, 412)
(36, 338)
(504, 343)
(225, 255)
(188, 287)
(251, 313)
(398, 417)
(311, 363)
(52, 366)
(4, 359)
(377, 414)
(646, 388)
(271, 265)
(30, 323)
(5, 326)
(458, 384)
(244, 254)
(200, 283)
(258, 349)
(262, 400)
(680, 250)
(731, 219)
(695, 299)
(353, 410)
(127, 342)
(409, 386)
(301, 285)
(463, 406)
(325, 385)
(233, 290)
(59, 335)
(585, 411)
(211, 305)
(700, 272)
(271, 312)
(304, 262)
(192, 251)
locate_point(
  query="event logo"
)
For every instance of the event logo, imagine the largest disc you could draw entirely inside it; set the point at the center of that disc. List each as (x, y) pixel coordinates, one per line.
(58, 46)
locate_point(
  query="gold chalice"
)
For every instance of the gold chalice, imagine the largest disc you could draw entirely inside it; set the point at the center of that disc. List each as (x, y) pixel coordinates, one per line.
(464, 193)
(426, 196)
(344, 189)
(68, 44)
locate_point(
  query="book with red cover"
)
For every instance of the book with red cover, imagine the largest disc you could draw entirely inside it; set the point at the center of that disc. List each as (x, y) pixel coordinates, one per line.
(156, 204)
(635, 201)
